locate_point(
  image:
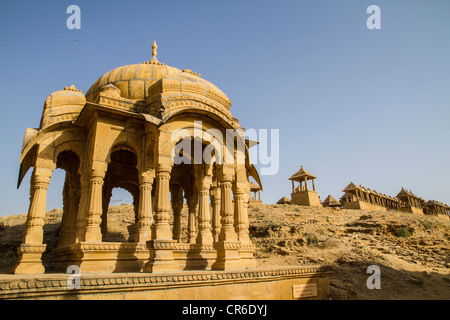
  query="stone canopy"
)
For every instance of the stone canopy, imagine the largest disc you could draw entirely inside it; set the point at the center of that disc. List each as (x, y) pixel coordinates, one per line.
(302, 195)
(119, 134)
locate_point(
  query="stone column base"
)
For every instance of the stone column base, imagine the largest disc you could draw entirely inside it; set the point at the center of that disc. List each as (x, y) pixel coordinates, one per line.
(190, 256)
(227, 255)
(30, 259)
(132, 232)
(246, 252)
(161, 256)
(101, 257)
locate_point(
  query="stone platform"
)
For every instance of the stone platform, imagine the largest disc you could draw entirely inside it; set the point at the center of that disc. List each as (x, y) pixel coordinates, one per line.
(262, 283)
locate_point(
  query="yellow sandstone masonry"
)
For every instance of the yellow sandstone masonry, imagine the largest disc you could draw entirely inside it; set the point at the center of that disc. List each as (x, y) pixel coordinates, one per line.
(359, 197)
(259, 283)
(302, 195)
(121, 133)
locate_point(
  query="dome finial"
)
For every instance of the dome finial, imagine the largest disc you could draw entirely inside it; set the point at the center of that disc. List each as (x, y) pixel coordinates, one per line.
(154, 53)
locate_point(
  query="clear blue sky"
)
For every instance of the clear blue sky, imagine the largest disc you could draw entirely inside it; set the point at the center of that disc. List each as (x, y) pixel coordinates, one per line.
(352, 104)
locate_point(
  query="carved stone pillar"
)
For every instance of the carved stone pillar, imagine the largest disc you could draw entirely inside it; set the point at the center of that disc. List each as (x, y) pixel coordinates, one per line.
(215, 199)
(177, 205)
(162, 216)
(74, 203)
(82, 209)
(71, 202)
(227, 231)
(93, 221)
(106, 198)
(31, 249)
(204, 181)
(145, 211)
(162, 246)
(240, 214)
(192, 201)
(228, 245)
(62, 233)
(247, 248)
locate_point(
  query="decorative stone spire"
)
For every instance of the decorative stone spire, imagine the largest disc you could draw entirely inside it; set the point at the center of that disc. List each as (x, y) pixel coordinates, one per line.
(154, 53)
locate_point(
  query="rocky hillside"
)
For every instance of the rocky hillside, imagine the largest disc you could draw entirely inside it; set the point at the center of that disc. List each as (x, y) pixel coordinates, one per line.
(412, 251)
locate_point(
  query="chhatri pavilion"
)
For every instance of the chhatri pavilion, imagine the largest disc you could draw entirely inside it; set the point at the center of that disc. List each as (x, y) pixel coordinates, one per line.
(303, 195)
(119, 134)
(142, 127)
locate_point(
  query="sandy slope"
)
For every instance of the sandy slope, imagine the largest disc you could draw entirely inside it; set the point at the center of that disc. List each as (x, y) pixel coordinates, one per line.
(412, 266)
(412, 251)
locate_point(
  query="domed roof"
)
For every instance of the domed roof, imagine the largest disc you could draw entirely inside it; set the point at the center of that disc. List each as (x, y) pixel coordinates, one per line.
(68, 95)
(62, 105)
(134, 80)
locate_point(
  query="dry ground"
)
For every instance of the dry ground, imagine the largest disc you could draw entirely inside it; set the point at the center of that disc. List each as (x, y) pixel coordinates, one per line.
(412, 251)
